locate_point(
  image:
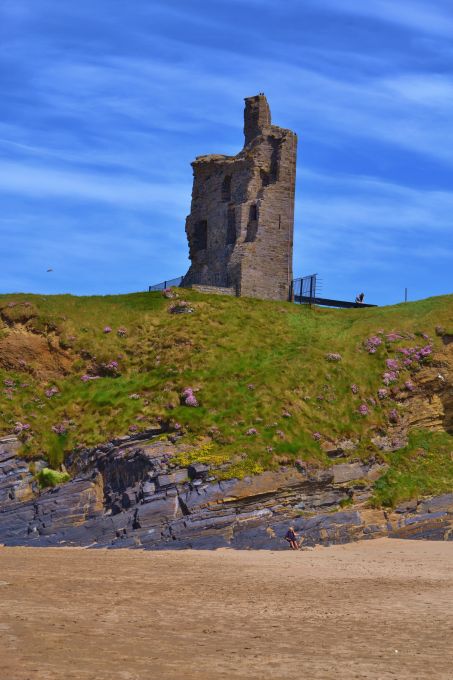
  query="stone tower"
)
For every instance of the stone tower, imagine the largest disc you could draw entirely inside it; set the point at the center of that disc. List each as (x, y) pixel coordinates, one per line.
(240, 227)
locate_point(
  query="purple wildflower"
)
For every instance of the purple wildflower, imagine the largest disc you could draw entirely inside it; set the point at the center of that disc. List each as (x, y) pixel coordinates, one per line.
(251, 431)
(372, 343)
(393, 416)
(187, 392)
(60, 428)
(389, 377)
(8, 383)
(191, 400)
(363, 410)
(51, 391)
(133, 428)
(408, 362)
(354, 388)
(409, 385)
(382, 393)
(316, 436)
(21, 427)
(122, 332)
(107, 329)
(392, 364)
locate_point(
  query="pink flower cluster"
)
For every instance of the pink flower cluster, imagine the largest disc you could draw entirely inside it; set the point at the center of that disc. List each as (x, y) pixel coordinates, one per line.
(85, 378)
(122, 332)
(316, 436)
(363, 410)
(251, 431)
(354, 388)
(107, 329)
(393, 337)
(60, 428)
(415, 355)
(409, 385)
(333, 356)
(392, 364)
(382, 393)
(111, 366)
(372, 343)
(389, 377)
(21, 427)
(51, 391)
(393, 416)
(189, 397)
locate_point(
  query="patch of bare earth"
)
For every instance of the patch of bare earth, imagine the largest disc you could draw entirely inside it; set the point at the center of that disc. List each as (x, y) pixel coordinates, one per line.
(377, 609)
(21, 350)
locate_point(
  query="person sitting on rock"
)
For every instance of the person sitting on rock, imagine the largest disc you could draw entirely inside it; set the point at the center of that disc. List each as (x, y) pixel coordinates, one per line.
(291, 537)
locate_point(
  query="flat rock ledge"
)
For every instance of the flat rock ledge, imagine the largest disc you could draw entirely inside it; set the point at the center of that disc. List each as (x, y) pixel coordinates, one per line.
(129, 494)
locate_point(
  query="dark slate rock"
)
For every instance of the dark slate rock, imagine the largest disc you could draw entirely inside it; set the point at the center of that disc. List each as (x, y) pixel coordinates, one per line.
(439, 503)
(198, 471)
(178, 477)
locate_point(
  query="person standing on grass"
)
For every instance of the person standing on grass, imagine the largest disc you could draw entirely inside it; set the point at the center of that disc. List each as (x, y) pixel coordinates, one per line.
(291, 537)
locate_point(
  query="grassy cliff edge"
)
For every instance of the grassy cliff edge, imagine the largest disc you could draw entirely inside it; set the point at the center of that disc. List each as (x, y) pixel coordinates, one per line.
(251, 384)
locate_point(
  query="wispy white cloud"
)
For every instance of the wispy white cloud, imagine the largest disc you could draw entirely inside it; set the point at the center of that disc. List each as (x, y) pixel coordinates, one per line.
(44, 182)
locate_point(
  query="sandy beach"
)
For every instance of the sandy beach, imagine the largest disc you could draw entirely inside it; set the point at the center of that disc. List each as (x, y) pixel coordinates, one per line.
(377, 609)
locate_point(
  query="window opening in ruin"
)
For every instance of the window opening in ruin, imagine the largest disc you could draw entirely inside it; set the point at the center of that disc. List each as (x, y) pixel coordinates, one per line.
(231, 226)
(252, 226)
(226, 188)
(200, 236)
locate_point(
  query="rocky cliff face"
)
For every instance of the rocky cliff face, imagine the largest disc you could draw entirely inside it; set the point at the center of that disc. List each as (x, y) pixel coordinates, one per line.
(130, 493)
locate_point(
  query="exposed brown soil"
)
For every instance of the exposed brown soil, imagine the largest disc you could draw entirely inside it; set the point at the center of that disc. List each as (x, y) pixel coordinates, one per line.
(377, 609)
(22, 350)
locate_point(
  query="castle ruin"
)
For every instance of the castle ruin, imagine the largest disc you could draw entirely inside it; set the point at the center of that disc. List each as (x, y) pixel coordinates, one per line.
(240, 227)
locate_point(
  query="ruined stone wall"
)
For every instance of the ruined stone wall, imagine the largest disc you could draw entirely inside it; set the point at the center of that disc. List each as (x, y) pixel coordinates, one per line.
(240, 228)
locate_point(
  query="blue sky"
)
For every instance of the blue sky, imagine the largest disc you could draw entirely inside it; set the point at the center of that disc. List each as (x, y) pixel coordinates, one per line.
(105, 103)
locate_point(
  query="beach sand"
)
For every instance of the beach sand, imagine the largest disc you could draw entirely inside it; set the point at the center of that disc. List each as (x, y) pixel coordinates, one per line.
(374, 609)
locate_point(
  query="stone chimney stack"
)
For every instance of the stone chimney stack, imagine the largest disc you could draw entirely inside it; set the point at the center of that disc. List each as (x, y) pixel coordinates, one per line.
(257, 116)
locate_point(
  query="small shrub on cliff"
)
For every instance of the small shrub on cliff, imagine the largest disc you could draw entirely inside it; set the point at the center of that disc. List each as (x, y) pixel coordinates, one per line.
(50, 478)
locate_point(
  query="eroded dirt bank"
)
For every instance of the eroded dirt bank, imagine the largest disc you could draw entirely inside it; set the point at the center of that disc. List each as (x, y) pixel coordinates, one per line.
(374, 609)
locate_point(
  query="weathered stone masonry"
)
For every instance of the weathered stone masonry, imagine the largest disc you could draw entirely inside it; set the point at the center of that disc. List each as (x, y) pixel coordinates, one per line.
(240, 228)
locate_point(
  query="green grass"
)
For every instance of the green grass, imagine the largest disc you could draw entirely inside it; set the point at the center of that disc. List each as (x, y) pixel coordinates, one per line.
(424, 467)
(249, 360)
(50, 478)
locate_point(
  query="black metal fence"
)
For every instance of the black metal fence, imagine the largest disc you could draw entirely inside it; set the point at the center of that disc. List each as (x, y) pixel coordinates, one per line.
(305, 289)
(167, 284)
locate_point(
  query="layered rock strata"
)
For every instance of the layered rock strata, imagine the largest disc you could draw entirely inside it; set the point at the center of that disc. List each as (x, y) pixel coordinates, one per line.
(131, 494)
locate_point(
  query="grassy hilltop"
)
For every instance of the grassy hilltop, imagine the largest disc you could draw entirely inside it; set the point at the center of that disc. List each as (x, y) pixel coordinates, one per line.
(274, 382)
